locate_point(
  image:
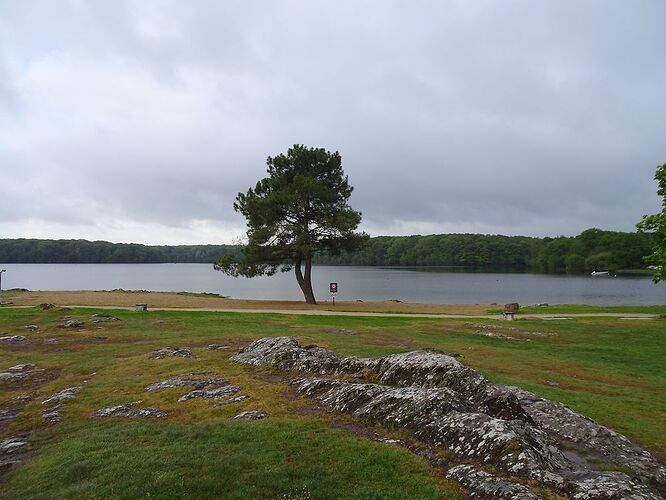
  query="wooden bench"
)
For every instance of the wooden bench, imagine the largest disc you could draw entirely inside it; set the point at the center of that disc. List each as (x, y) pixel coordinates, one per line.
(510, 310)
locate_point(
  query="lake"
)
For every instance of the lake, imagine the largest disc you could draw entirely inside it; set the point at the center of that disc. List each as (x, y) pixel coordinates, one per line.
(437, 285)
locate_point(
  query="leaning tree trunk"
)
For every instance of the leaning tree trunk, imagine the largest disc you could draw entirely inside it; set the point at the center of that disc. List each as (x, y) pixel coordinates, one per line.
(305, 281)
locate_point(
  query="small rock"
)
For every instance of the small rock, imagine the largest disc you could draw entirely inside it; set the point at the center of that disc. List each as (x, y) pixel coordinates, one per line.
(64, 395)
(72, 323)
(128, 410)
(12, 339)
(7, 414)
(235, 399)
(340, 331)
(11, 451)
(51, 340)
(11, 445)
(52, 414)
(186, 381)
(165, 352)
(220, 392)
(552, 383)
(45, 306)
(105, 317)
(17, 372)
(25, 367)
(217, 347)
(32, 328)
(251, 415)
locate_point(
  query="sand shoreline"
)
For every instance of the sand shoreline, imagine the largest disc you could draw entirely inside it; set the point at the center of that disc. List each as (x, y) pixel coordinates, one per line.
(181, 300)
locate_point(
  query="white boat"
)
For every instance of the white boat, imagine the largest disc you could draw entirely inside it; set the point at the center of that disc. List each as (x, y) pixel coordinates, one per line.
(600, 273)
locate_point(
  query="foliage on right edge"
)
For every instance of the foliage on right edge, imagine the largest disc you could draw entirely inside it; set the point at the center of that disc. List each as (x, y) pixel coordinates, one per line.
(656, 224)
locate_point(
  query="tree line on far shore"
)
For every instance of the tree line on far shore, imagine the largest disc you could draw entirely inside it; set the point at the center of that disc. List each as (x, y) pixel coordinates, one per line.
(36, 251)
(592, 250)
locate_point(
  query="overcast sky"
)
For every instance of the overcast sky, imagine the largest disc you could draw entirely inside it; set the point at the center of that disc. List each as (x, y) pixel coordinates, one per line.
(141, 121)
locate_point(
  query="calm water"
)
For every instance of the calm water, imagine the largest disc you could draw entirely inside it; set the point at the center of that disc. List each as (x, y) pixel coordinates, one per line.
(366, 283)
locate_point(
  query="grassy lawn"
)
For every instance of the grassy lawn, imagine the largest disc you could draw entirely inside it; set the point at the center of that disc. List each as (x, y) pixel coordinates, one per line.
(609, 369)
(584, 309)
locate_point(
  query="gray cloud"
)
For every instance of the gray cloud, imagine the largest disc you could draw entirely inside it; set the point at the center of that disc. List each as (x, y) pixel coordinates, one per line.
(142, 120)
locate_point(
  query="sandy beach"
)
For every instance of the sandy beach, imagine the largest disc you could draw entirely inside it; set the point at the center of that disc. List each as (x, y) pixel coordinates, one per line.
(199, 301)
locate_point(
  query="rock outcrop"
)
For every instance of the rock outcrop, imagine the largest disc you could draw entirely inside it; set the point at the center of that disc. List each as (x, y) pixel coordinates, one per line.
(502, 441)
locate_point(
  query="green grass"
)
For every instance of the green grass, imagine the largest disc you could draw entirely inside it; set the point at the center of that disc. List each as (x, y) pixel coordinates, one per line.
(609, 369)
(586, 309)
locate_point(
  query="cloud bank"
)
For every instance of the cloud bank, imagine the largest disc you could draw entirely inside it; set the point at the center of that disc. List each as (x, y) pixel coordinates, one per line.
(141, 121)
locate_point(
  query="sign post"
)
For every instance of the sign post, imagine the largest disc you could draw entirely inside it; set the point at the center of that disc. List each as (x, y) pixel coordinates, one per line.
(333, 288)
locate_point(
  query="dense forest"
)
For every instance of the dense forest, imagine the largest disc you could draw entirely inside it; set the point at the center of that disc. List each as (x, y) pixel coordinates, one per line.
(23, 251)
(591, 250)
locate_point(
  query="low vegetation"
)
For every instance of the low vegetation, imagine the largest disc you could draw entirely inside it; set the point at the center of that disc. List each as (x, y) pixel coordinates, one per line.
(610, 369)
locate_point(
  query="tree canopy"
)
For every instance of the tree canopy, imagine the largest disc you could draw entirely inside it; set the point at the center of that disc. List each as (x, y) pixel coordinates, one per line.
(299, 210)
(656, 224)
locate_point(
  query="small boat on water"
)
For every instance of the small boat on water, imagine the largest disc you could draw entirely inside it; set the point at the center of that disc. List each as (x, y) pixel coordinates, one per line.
(600, 273)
